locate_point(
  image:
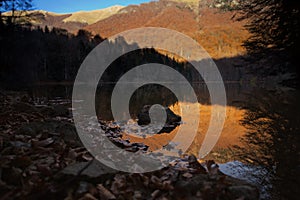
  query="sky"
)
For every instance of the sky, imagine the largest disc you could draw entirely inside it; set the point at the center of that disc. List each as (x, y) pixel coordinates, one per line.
(67, 6)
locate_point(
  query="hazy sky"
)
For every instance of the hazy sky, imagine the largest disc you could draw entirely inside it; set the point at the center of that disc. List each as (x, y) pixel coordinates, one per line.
(66, 6)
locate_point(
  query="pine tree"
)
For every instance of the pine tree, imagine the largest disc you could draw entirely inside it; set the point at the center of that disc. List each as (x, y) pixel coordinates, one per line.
(274, 27)
(16, 7)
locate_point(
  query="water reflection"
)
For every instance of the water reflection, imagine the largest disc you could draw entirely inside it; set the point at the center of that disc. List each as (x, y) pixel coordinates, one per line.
(156, 94)
(267, 121)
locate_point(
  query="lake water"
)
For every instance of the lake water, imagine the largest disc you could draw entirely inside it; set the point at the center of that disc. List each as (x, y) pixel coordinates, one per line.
(262, 123)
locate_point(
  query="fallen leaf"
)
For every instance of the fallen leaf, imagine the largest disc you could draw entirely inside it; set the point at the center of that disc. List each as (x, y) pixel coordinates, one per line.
(43, 143)
(88, 196)
(155, 194)
(187, 175)
(105, 193)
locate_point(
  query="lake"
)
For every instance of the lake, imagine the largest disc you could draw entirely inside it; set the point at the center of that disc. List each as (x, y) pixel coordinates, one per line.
(260, 131)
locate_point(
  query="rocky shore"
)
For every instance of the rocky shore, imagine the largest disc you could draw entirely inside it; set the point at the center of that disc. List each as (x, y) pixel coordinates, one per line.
(41, 156)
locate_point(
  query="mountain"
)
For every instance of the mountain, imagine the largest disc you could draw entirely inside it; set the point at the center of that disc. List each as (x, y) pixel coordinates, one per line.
(91, 17)
(43, 18)
(71, 22)
(194, 3)
(214, 29)
(165, 14)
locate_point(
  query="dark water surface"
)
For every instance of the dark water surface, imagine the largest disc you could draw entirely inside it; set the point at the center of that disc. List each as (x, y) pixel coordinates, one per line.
(261, 131)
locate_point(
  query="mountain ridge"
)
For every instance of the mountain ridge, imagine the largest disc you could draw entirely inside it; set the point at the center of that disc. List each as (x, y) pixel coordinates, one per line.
(93, 16)
(212, 28)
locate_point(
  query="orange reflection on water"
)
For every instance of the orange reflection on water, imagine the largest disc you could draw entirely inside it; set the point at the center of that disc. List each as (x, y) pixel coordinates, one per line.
(231, 132)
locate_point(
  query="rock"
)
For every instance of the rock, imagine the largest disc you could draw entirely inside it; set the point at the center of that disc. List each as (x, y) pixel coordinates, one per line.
(228, 188)
(144, 119)
(193, 163)
(83, 188)
(47, 111)
(94, 171)
(34, 128)
(19, 144)
(69, 132)
(61, 110)
(54, 127)
(30, 129)
(55, 111)
(24, 107)
(12, 176)
(245, 192)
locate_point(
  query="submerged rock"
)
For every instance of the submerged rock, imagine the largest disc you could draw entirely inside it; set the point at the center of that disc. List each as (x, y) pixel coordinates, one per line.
(144, 118)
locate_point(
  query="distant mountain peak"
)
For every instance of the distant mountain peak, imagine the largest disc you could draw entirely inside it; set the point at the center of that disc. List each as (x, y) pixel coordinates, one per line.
(90, 17)
(185, 1)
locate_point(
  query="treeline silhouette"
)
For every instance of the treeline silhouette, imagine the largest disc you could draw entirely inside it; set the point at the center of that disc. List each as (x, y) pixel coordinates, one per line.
(274, 41)
(37, 55)
(30, 55)
(138, 57)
